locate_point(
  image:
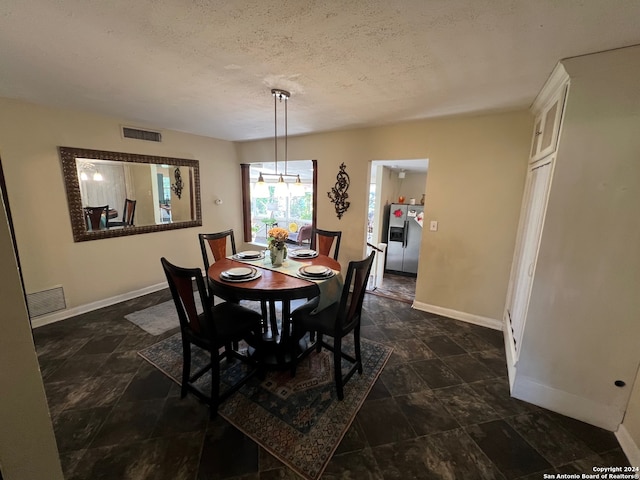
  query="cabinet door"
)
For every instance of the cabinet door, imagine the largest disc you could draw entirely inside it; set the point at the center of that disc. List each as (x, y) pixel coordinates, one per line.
(534, 206)
(547, 126)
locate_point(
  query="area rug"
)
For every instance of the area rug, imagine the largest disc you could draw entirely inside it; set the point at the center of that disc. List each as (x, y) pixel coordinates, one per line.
(298, 420)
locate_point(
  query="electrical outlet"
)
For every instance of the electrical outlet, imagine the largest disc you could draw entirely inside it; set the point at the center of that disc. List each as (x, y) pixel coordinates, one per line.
(433, 225)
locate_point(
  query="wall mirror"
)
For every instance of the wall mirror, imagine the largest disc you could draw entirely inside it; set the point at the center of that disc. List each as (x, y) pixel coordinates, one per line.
(112, 194)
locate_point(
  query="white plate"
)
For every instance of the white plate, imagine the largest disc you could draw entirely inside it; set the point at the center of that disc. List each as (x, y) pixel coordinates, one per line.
(256, 275)
(239, 272)
(316, 277)
(249, 255)
(315, 270)
(303, 253)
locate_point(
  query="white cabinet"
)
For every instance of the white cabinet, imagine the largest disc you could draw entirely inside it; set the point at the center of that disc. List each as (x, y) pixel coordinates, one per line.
(547, 108)
(548, 114)
(572, 307)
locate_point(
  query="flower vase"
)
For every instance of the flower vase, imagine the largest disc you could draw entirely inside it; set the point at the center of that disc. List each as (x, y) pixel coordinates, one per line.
(278, 255)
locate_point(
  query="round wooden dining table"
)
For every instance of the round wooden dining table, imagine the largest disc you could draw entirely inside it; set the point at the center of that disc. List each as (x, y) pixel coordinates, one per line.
(271, 287)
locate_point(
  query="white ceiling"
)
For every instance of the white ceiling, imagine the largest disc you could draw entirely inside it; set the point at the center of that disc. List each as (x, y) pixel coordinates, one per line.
(207, 66)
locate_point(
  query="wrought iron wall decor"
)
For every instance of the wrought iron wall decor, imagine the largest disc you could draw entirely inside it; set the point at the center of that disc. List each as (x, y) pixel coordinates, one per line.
(177, 187)
(338, 193)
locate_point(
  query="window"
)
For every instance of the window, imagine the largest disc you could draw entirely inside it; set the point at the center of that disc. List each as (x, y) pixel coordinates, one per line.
(270, 206)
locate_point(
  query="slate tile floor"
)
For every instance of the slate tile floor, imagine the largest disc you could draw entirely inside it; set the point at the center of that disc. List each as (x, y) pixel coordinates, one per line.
(440, 410)
(399, 287)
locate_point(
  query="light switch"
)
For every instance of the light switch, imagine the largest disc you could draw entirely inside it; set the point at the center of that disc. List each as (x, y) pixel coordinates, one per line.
(433, 225)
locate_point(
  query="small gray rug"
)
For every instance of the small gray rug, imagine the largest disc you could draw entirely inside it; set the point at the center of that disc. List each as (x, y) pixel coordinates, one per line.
(158, 319)
(163, 317)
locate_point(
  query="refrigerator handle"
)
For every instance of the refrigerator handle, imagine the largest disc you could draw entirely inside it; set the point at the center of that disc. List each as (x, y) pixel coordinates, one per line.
(406, 234)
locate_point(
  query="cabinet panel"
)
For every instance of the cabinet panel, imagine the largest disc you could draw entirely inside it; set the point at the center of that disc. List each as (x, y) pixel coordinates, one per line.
(534, 201)
(547, 126)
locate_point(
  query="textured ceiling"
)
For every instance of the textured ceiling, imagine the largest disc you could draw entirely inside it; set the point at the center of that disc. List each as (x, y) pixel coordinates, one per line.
(207, 67)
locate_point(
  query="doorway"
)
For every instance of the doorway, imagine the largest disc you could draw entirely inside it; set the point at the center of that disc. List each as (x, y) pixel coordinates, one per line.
(398, 181)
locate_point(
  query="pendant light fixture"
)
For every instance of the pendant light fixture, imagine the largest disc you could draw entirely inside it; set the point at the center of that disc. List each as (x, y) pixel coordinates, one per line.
(282, 187)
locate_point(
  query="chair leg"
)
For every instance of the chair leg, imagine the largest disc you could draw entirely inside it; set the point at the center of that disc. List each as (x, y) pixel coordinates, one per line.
(356, 343)
(215, 384)
(319, 342)
(265, 316)
(186, 367)
(337, 366)
(228, 349)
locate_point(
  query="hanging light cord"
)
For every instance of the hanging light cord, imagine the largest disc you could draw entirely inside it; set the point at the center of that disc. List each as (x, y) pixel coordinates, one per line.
(275, 126)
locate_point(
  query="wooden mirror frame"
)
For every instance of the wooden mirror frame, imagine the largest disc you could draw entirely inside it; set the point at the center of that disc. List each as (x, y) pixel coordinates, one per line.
(68, 157)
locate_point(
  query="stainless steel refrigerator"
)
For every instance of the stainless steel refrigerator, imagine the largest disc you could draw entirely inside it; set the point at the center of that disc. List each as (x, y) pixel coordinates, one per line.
(403, 241)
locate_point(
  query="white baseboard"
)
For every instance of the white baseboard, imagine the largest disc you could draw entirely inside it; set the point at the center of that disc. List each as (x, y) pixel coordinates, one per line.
(566, 403)
(89, 307)
(462, 316)
(628, 446)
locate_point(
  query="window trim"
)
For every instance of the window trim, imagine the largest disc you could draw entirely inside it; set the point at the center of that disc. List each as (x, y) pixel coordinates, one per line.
(246, 198)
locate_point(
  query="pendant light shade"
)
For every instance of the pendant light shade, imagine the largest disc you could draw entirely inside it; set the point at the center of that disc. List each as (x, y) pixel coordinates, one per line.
(296, 188)
(260, 189)
(281, 187)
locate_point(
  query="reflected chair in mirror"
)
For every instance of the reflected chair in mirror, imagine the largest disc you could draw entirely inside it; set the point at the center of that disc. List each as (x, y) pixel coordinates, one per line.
(96, 217)
(337, 321)
(324, 240)
(216, 327)
(127, 215)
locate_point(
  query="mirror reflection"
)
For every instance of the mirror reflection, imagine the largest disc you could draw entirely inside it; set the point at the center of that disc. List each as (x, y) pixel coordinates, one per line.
(114, 194)
(135, 193)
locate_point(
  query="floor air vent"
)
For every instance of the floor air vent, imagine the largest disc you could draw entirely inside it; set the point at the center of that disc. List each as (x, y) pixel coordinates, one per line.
(46, 301)
(139, 134)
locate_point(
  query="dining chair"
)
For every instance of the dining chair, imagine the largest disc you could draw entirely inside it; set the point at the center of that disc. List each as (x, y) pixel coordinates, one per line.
(216, 327)
(96, 218)
(337, 321)
(304, 234)
(217, 243)
(323, 241)
(128, 213)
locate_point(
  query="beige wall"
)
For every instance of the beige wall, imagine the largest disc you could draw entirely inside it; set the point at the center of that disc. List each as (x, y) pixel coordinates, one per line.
(476, 175)
(97, 270)
(477, 167)
(145, 206)
(27, 443)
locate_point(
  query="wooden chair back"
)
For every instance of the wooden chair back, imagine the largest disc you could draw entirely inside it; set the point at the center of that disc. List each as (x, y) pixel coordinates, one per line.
(324, 240)
(93, 217)
(355, 285)
(129, 212)
(217, 243)
(180, 282)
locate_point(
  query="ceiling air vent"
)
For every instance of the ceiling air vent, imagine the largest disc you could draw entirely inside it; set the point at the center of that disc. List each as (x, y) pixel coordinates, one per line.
(138, 134)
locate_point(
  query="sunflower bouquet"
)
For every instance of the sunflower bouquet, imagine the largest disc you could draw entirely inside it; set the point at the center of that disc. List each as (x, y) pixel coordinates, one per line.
(277, 238)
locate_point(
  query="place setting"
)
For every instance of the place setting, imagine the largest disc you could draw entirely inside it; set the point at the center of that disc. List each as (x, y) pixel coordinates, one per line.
(248, 255)
(315, 272)
(302, 253)
(240, 274)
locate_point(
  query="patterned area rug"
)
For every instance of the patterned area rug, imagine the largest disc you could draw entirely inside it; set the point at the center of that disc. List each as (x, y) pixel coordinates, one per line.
(298, 420)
